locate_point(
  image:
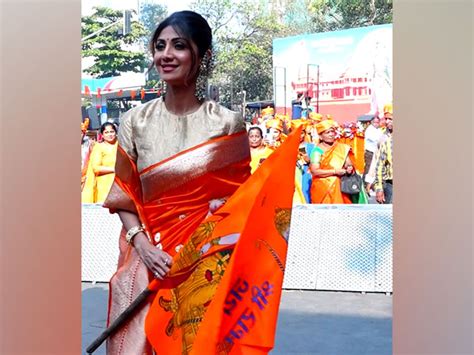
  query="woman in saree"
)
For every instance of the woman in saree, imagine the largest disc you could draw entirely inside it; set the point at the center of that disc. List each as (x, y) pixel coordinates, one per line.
(329, 161)
(179, 157)
(258, 150)
(100, 169)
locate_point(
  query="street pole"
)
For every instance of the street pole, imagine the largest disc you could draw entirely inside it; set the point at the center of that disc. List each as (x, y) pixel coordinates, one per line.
(307, 80)
(99, 31)
(126, 23)
(317, 94)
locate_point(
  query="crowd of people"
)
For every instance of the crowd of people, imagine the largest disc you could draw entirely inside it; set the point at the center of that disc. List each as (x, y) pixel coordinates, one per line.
(330, 153)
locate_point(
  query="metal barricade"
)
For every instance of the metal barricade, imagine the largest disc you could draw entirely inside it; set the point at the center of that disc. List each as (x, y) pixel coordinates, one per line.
(331, 247)
(340, 248)
(100, 248)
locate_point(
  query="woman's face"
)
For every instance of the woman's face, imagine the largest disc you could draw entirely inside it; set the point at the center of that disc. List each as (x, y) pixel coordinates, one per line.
(109, 134)
(255, 138)
(328, 136)
(275, 133)
(302, 135)
(173, 57)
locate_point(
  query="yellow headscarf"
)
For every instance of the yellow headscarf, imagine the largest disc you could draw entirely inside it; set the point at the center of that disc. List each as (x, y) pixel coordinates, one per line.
(298, 123)
(324, 126)
(315, 116)
(269, 111)
(388, 110)
(275, 123)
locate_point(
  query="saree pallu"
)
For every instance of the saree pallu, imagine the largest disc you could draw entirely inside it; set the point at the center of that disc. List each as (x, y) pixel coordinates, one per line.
(327, 190)
(171, 199)
(358, 147)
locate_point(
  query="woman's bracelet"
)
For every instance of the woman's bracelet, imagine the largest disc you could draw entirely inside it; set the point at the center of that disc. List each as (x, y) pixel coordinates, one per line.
(132, 233)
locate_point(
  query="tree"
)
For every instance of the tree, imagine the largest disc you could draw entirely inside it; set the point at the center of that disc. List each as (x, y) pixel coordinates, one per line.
(151, 15)
(111, 49)
(331, 15)
(295, 15)
(243, 35)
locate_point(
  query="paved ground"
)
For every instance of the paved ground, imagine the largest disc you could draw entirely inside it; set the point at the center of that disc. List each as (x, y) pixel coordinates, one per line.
(310, 322)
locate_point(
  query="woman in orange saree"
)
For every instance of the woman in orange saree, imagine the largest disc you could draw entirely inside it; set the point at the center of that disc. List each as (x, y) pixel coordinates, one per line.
(329, 161)
(179, 158)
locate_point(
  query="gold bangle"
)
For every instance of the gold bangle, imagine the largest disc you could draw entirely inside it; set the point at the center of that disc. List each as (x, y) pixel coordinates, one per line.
(132, 232)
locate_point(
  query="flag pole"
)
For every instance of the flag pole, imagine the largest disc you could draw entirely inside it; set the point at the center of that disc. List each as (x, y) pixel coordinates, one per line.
(116, 324)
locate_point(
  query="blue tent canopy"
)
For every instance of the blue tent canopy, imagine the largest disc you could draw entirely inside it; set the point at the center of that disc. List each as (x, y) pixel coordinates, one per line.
(94, 84)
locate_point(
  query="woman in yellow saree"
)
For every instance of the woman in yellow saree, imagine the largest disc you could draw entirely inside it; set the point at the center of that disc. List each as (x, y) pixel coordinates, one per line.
(100, 169)
(329, 161)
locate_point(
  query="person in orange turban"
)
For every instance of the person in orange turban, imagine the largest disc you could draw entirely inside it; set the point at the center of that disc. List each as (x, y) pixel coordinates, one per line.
(313, 119)
(317, 117)
(388, 110)
(387, 113)
(324, 126)
(268, 111)
(276, 135)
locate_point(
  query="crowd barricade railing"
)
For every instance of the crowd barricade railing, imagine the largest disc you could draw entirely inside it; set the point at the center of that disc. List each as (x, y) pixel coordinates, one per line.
(331, 247)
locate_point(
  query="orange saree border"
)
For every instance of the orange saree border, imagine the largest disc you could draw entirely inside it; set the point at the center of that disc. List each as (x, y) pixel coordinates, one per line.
(170, 170)
(206, 158)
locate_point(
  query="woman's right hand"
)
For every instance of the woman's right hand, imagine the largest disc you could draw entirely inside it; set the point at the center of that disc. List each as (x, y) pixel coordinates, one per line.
(155, 259)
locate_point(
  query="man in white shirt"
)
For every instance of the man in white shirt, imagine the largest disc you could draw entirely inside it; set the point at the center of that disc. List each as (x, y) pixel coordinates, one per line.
(373, 135)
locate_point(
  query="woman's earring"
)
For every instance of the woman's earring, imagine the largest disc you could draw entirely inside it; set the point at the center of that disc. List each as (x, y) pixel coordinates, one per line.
(205, 69)
(162, 87)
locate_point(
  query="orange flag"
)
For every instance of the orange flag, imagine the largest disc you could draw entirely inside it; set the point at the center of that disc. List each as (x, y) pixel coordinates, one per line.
(142, 94)
(133, 93)
(242, 316)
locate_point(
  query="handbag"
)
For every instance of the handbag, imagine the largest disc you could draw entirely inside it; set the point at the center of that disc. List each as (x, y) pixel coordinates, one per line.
(351, 184)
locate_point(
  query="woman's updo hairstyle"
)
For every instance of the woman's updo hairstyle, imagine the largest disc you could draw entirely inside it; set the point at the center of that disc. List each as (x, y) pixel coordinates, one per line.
(189, 25)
